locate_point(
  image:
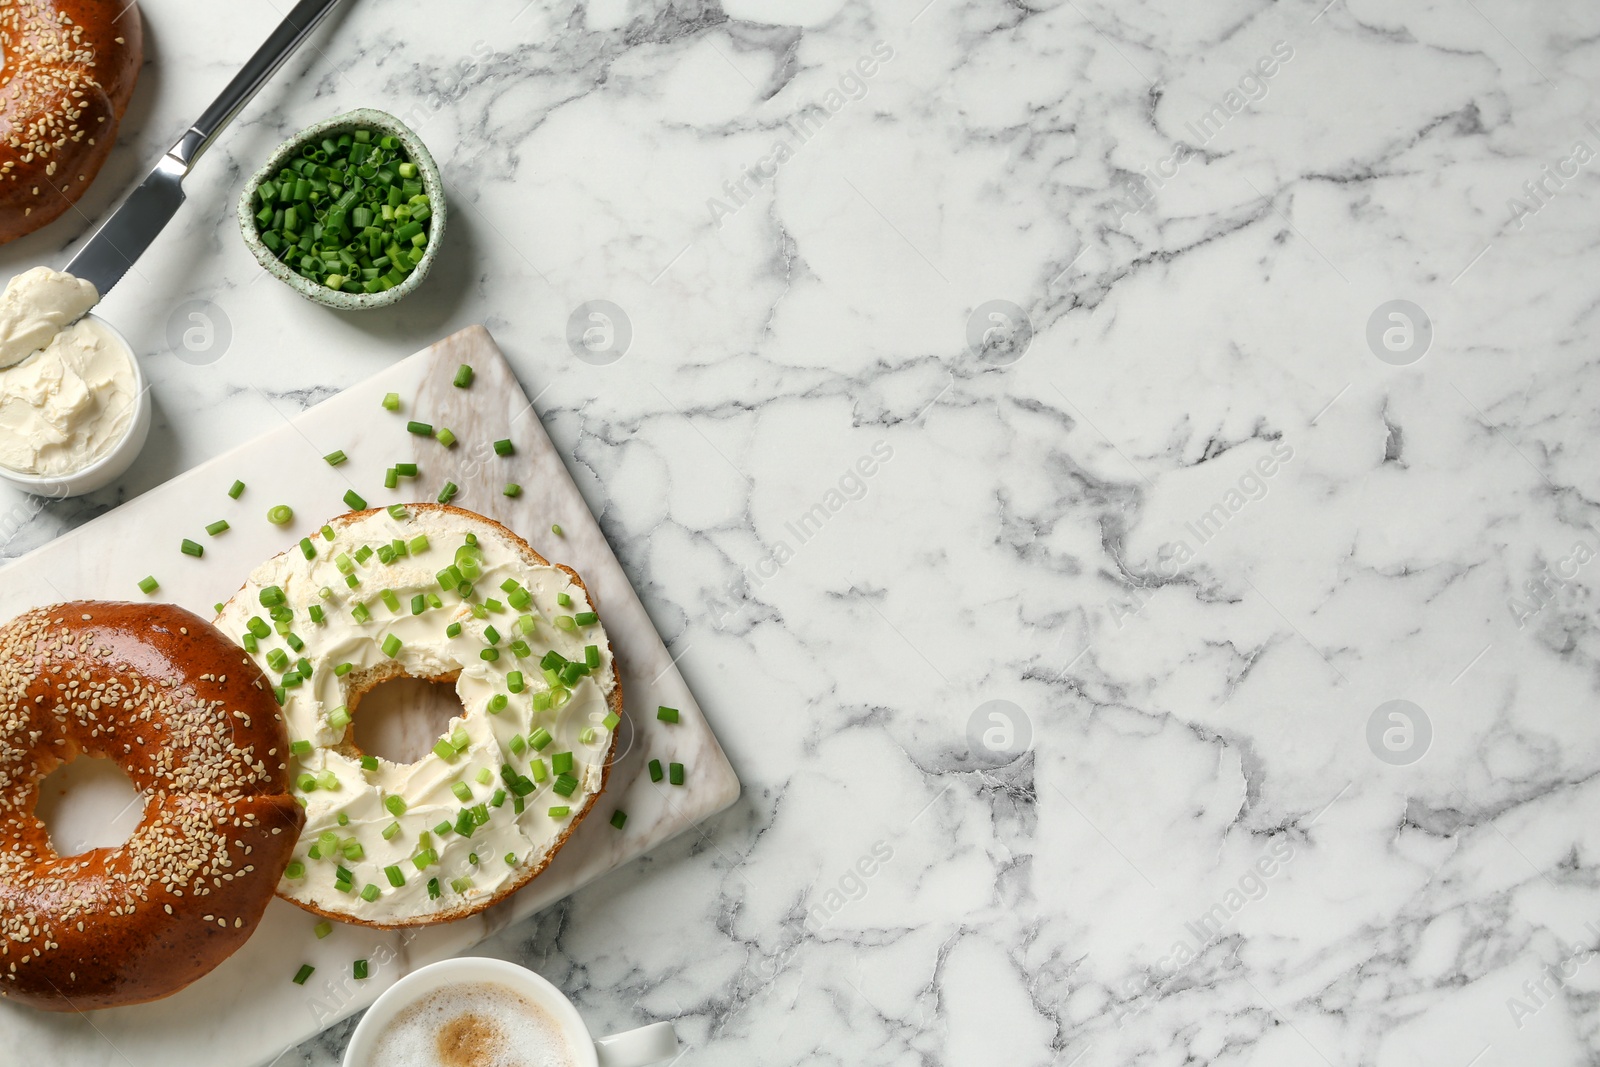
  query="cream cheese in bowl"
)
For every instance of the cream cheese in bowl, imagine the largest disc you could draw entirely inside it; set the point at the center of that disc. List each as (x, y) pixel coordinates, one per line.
(73, 410)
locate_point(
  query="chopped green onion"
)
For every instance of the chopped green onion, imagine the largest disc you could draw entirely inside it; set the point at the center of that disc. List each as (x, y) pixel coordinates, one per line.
(498, 799)
(353, 501)
(514, 682)
(236, 489)
(556, 529)
(618, 818)
(564, 785)
(315, 611)
(512, 489)
(564, 600)
(294, 871)
(390, 601)
(611, 720)
(565, 622)
(280, 514)
(417, 544)
(444, 749)
(322, 930)
(666, 714)
(448, 492)
(342, 669)
(148, 584)
(422, 429)
(560, 811)
(675, 773)
(484, 776)
(503, 448)
(655, 771)
(433, 889)
(391, 646)
(497, 703)
(368, 894)
(391, 479)
(489, 654)
(586, 618)
(305, 971)
(591, 656)
(463, 376)
(217, 527)
(360, 613)
(398, 513)
(445, 436)
(190, 548)
(491, 635)
(335, 457)
(369, 763)
(391, 401)
(327, 533)
(396, 879)
(406, 470)
(453, 630)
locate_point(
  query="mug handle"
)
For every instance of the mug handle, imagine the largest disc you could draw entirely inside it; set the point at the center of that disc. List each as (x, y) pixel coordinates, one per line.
(635, 1048)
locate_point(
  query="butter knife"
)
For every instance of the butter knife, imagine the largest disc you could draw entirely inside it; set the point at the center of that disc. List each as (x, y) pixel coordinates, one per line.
(124, 236)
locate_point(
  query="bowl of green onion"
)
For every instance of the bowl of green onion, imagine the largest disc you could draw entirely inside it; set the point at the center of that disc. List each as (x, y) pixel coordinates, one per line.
(349, 212)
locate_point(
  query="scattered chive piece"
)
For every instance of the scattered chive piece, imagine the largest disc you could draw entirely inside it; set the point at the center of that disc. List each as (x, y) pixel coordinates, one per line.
(399, 513)
(368, 894)
(390, 601)
(497, 703)
(586, 618)
(300, 748)
(655, 770)
(445, 436)
(675, 773)
(425, 858)
(369, 763)
(322, 930)
(519, 745)
(391, 646)
(305, 971)
(453, 630)
(514, 682)
(190, 548)
(148, 584)
(295, 870)
(390, 831)
(235, 489)
(342, 669)
(591, 656)
(484, 776)
(498, 799)
(306, 783)
(489, 654)
(391, 402)
(353, 501)
(564, 785)
(280, 514)
(448, 492)
(344, 819)
(363, 553)
(564, 600)
(666, 714)
(396, 879)
(560, 811)
(419, 604)
(391, 480)
(335, 457)
(513, 489)
(556, 529)
(395, 805)
(433, 889)
(360, 968)
(618, 818)
(315, 612)
(360, 613)
(463, 376)
(611, 720)
(339, 717)
(417, 544)
(444, 749)
(503, 448)
(561, 762)
(442, 829)
(491, 635)
(565, 622)
(406, 470)
(539, 771)
(541, 701)
(217, 527)
(327, 533)
(420, 428)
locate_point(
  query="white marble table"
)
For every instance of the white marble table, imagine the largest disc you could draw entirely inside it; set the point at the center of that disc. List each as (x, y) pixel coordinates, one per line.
(1206, 515)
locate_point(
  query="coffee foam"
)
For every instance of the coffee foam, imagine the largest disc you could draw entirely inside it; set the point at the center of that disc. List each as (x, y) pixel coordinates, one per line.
(474, 1024)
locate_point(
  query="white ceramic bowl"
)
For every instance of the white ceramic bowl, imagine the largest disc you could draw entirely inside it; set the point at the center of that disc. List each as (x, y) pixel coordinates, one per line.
(109, 467)
(635, 1048)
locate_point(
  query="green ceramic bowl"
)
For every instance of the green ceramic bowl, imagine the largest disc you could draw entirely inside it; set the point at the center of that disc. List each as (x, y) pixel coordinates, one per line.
(432, 184)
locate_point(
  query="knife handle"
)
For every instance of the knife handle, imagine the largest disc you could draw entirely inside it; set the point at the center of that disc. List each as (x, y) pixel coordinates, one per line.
(277, 49)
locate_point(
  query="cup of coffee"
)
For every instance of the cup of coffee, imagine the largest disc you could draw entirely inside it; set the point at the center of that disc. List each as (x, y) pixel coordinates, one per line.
(477, 1012)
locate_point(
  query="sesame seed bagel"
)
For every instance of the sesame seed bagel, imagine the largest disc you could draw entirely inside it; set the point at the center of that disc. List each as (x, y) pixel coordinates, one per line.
(192, 722)
(70, 68)
(433, 592)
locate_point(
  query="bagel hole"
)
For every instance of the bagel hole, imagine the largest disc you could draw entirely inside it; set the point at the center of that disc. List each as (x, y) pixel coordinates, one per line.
(400, 719)
(88, 803)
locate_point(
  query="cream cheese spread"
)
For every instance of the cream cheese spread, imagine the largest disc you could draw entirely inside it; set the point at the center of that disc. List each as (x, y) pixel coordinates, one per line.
(36, 305)
(67, 404)
(350, 868)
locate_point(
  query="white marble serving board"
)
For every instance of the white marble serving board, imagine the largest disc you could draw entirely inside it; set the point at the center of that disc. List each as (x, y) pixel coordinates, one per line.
(248, 1011)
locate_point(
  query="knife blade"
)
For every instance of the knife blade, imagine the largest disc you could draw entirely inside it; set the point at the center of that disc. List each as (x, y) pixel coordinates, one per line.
(131, 229)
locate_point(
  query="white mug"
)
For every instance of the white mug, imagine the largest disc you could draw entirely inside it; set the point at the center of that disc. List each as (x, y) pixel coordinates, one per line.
(633, 1048)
